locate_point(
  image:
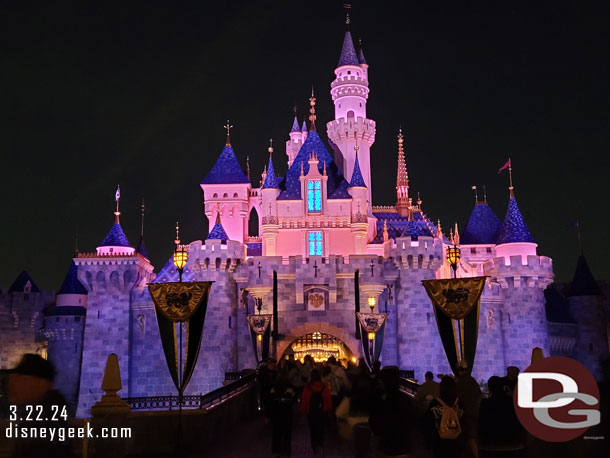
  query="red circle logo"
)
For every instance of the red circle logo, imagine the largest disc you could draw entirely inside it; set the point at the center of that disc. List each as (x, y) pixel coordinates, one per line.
(557, 399)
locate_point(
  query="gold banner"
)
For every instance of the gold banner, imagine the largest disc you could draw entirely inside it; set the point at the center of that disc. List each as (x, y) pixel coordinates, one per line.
(456, 297)
(178, 301)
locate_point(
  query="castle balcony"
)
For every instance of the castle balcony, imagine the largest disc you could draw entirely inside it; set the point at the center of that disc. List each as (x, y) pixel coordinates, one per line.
(253, 239)
(342, 129)
(349, 80)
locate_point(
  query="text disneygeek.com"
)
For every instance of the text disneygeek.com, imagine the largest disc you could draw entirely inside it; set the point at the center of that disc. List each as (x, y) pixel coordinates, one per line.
(61, 433)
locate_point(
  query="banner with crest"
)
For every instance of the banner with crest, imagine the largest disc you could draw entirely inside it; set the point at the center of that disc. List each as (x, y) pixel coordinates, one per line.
(260, 333)
(457, 299)
(372, 330)
(185, 304)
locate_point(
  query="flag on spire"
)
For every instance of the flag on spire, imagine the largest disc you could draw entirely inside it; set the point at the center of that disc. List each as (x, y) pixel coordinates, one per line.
(117, 194)
(505, 166)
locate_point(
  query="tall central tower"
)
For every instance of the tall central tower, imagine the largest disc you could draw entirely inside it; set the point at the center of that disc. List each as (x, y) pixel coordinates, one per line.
(351, 127)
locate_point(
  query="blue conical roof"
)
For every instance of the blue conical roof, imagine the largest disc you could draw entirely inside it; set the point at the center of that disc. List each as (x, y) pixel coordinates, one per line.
(304, 127)
(18, 285)
(295, 126)
(116, 237)
(361, 58)
(72, 284)
(357, 179)
(336, 185)
(483, 226)
(142, 248)
(348, 52)
(218, 232)
(226, 170)
(514, 228)
(271, 181)
(584, 283)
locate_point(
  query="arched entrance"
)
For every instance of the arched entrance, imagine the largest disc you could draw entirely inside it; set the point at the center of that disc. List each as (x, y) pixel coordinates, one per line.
(320, 346)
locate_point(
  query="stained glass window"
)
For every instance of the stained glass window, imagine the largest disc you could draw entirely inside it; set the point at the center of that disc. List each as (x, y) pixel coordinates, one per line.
(314, 196)
(314, 243)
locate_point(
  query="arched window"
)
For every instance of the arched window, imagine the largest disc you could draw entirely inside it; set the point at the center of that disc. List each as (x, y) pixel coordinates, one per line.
(235, 196)
(225, 195)
(215, 195)
(350, 114)
(253, 223)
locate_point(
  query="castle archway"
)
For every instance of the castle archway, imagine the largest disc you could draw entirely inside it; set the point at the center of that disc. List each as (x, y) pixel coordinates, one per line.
(319, 339)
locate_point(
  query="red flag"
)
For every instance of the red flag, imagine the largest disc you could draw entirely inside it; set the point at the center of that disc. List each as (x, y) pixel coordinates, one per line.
(505, 166)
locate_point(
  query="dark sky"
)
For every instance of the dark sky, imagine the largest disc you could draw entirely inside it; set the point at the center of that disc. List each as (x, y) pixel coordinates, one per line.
(136, 94)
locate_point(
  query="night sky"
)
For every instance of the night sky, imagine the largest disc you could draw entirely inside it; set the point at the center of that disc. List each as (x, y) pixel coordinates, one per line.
(136, 94)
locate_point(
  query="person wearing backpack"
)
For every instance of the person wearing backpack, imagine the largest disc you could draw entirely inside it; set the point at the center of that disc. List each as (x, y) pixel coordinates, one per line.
(444, 417)
(316, 403)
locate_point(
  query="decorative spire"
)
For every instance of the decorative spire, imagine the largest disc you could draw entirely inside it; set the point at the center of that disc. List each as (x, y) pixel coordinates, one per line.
(509, 166)
(324, 171)
(295, 125)
(514, 228)
(402, 180)
(361, 58)
(270, 180)
(177, 241)
(484, 195)
(348, 51)
(385, 231)
(228, 127)
(456, 235)
(304, 126)
(218, 232)
(357, 178)
(476, 195)
(439, 229)
(312, 111)
(117, 197)
(419, 201)
(142, 210)
(248, 167)
(302, 172)
(347, 7)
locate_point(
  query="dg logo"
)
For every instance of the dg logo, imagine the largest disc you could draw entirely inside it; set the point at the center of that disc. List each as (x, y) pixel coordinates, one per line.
(557, 399)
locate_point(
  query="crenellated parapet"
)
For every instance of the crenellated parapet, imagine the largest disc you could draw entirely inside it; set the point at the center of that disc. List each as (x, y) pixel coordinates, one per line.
(215, 256)
(537, 272)
(344, 130)
(100, 274)
(423, 253)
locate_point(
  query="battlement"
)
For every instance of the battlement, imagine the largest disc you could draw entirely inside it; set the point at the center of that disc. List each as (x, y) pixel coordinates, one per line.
(213, 255)
(536, 272)
(346, 79)
(342, 129)
(423, 253)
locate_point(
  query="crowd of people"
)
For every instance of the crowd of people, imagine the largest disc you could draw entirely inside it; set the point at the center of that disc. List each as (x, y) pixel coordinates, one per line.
(452, 417)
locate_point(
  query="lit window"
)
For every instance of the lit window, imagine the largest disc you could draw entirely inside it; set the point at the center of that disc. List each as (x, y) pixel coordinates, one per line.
(314, 196)
(314, 243)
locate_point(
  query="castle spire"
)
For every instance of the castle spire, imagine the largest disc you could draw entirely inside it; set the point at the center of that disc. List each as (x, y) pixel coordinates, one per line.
(312, 111)
(228, 127)
(117, 197)
(248, 167)
(141, 248)
(357, 178)
(270, 180)
(348, 51)
(402, 180)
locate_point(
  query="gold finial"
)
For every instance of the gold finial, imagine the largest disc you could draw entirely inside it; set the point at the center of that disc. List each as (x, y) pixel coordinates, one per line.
(177, 241)
(142, 209)
(456, 235)
(418, 199)
(439, 229)
(347, 7)
(324, 171)
(270, 149)
(312, 111)
(476, 195)
(248, 167)
(484, 194)
(228, 127)
(302, 172)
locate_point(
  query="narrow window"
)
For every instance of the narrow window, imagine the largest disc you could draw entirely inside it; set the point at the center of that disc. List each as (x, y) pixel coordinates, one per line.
(473, 251)
(314, 196)
(314, 243)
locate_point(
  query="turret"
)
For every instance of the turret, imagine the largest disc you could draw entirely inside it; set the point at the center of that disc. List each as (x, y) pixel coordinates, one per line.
(296, 141)
(359, 221)
(515, 238)
(270, 191)
(227, 188)
(478, 242)
(349, 92)
(587, 308)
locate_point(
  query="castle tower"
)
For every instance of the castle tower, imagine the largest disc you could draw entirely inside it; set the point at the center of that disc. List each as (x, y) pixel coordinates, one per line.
(270, 190)
(478, 242)
(115, 271)
(359, 223)
(297, 137)
(402, 180)
(586, 307)
(227, 188)
(350, 91)
(64, 327)
(522, 276)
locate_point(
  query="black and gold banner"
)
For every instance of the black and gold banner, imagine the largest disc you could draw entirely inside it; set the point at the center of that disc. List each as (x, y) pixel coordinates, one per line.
(186, 303)
(457, 299)
(260, 335)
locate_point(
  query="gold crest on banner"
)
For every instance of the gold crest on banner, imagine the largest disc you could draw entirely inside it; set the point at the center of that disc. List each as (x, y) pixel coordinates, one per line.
(456, 297)
(259, 323)
(178, 301)
(371, 322)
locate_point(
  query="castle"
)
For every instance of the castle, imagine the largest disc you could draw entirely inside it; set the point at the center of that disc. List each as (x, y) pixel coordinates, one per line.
(316, 229)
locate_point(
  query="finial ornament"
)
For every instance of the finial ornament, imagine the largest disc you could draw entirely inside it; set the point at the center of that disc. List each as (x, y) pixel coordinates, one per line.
(248, 167)
(324, 171)
(142, 210)
(347, 7)
(419, 201)
(270, 149)
(476, 195)
(508, 166)
(177, 241)
(117, 197)
(312, 110)
(484, 194)
(228, 127)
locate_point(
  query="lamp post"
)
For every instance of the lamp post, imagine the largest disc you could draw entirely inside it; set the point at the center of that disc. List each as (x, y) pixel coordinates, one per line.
(372, 301)
(180, 253)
